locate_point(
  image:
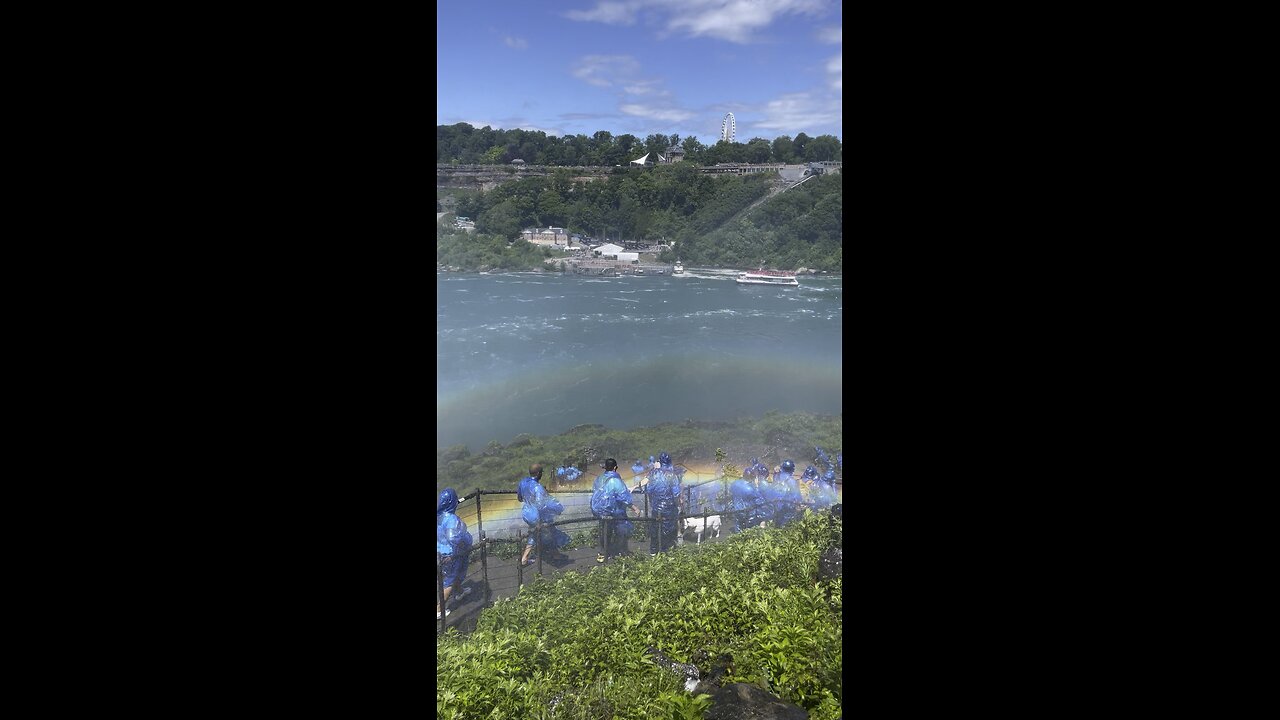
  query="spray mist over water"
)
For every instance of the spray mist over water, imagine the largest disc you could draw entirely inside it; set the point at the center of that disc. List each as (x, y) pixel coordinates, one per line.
(586, 352)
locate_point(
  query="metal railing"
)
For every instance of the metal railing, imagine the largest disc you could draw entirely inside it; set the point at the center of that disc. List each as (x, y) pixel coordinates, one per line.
(491, 574)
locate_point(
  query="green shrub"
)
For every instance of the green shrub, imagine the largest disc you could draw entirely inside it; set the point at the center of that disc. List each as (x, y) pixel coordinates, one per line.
(581, 640)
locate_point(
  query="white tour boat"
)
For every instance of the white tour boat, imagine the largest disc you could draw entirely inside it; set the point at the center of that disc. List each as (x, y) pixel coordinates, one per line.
(768, 277)
(678, 269)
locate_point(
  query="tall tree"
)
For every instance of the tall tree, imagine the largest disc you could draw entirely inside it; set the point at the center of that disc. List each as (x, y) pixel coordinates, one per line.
(757, 150)
(784, 151)
(823, 147)
(628, 145)
(656, 144)
(693, 149)
(551, 209)
(800, 143)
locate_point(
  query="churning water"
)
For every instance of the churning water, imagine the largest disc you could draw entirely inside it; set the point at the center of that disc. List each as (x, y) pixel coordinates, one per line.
(541, 353)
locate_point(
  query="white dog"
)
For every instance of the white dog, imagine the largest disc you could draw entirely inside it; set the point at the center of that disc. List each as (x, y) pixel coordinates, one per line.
(700, 526)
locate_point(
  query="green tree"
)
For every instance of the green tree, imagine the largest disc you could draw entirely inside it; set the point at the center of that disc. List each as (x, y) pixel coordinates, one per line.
(494, 155)
(693, 149)
(656, 144)
(502, 220)
(757, 151)
(800, 143)
(784, 150)
(551, 209)
(823, 147)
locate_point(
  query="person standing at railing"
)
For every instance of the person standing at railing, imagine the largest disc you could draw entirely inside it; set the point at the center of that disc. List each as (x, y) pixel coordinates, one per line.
(747, 506)
(540, 506)
(611, 500)
(663, 488)
(818, 490)
(453, 543)
(790, 502)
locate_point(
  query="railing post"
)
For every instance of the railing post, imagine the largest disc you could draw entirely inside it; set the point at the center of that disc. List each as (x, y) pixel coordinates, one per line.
(440, 593)
(484, 566)
(519, 560)
(538, 546)
(479, 519)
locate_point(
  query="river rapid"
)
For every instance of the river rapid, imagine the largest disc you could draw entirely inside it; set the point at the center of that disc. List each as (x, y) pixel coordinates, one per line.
(540, 353)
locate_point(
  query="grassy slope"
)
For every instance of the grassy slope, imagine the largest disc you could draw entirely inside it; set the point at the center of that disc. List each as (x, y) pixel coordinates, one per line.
(772, 437)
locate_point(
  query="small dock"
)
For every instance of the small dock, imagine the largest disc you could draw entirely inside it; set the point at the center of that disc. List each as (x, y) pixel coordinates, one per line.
(615, 268)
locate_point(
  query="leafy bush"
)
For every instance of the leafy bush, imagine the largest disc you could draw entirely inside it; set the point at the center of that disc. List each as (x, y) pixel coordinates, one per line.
(579, 643)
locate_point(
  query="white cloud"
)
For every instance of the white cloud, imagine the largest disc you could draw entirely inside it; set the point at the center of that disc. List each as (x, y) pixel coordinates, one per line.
(799, 112)
(515, 42)
(608, 12)
(732, 20)
(637, 96)
(668, 114)
(836, 70)
(830, 35)
(606, 70)
(646, 87)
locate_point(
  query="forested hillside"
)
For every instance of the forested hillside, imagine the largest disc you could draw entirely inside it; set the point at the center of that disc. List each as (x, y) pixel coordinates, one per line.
(802, 227)
(462, 144)
(698, 214)
(475, 252)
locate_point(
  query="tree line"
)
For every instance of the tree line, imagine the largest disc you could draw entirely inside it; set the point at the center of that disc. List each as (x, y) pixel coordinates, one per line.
(462, 144)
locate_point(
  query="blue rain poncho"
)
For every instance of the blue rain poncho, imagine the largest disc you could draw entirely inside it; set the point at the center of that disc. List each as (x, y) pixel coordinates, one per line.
(663, 489)
(612, 499)
(746, 504)
(822, 493)
(452, 537)
(540, 506)
(568, 474)
(637, 467)
(789, 500)
(453, 541)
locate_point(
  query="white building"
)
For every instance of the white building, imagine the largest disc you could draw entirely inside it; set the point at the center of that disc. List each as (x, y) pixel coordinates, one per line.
(609, 251)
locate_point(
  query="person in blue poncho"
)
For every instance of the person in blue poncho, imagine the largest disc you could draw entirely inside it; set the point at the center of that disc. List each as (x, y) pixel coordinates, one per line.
(637, 469)
(611, 500)
(453, 544)
(774, 491)
(663, 488)
(826, 486)
(568, 474)
(822, 490)
(539, 506)
(747, 507)
(790, 502)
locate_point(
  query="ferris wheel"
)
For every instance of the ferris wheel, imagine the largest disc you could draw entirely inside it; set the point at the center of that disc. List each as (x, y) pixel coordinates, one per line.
(728, 128)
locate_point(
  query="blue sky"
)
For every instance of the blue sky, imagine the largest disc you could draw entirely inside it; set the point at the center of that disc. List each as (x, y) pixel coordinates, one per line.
(641, 66)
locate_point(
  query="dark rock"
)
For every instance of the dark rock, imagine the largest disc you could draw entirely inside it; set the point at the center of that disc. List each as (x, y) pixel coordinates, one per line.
(711, 680)
(685, 670)
(831, 563)
(739, 701)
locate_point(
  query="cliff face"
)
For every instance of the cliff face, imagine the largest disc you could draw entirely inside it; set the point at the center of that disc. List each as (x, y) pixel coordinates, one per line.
(487, 177)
